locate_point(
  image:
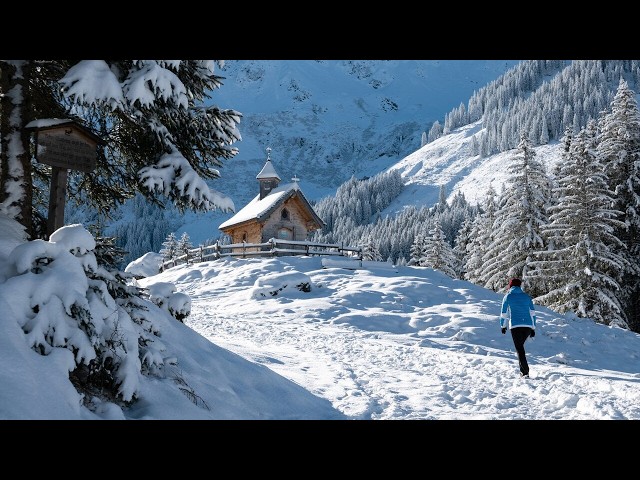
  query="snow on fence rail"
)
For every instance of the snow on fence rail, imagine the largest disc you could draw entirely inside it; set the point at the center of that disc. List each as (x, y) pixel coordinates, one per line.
(273, 247)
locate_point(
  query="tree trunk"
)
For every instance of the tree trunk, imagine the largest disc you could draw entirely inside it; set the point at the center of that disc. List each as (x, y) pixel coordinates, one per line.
(16, 190)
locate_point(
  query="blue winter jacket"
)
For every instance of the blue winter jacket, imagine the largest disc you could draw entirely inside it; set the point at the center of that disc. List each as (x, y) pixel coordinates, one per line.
(517, 309)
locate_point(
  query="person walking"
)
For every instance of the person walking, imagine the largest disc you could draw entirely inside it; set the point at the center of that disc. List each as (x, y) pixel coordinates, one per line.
(518, 311)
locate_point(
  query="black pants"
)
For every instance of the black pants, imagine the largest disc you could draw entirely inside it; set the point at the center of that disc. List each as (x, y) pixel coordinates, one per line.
(520, 335)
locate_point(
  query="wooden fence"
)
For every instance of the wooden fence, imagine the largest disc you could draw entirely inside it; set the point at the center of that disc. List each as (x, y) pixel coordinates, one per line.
(273, 247)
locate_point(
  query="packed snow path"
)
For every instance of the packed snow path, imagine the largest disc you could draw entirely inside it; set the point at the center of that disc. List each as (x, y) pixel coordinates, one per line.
(408, 344)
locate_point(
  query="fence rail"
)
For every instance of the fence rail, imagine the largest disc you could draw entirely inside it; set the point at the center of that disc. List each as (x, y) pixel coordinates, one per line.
(273, 247)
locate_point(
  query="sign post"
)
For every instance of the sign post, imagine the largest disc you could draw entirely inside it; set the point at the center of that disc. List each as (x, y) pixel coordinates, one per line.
(57, 199)
(64, 145)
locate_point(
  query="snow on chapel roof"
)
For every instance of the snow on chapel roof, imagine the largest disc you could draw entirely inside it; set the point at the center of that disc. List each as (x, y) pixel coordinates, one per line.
(256, 208)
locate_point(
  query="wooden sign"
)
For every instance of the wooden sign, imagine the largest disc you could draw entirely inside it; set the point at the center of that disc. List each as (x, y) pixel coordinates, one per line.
(66, 147)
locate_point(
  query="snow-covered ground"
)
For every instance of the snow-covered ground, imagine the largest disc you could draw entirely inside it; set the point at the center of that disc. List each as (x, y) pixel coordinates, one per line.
(408, 343)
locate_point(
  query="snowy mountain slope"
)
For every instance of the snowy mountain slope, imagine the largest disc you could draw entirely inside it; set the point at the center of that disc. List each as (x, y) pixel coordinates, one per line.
(354, 91)
(449, 161)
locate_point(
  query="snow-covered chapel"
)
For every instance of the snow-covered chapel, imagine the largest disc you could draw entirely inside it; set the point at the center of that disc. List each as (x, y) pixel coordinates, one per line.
(278, 211)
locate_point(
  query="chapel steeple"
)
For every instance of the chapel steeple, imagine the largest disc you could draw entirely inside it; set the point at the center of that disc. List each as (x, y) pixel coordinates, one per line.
(267, 177)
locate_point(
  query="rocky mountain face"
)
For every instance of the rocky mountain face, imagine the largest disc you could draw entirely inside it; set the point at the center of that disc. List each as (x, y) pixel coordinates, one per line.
(326, 121)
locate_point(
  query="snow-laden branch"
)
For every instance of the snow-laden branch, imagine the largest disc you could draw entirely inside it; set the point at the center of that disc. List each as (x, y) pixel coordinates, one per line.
(174, 176)
(90, 82)
(151, 82)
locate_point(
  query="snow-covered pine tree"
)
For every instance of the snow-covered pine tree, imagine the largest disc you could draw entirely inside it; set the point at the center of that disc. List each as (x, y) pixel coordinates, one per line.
(585, 223)
(619, 148)
(459, 201)
(519, 221)
(106, 282)
(169, 249)
(104, 328)
(452, 218)
(481, 236)
(370, 251)
(463, 238)
(544, 132)
(163, 139)
(435, 131)
(442, 204)
(438, 254)
(184, 244)
(417, 250)
(553, 238)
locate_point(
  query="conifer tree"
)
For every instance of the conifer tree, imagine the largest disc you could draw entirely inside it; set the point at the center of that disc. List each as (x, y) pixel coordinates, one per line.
(435, 131)
(370, 251)
(462, 240)
(442, 204)
(519, 221)
(481, 236)
(417, 250)
(585, 223)
(184, 245)
(438, 254)
(619, 147)
(169, 249)
(111, 329)
(162, 139)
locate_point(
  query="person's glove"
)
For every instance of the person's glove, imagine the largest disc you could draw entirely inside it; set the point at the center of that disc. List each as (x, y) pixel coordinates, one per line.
(504, 330)
(533, 333)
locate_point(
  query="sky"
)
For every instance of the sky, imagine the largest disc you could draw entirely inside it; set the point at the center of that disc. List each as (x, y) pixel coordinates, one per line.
(367, 342)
